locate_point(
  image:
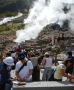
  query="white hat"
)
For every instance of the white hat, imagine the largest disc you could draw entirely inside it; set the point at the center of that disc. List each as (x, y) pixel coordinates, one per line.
(46, 53)
(8, 61)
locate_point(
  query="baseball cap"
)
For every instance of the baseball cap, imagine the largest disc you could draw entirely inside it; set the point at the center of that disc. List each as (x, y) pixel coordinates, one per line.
(21, 54)
(17, 50)
(46, 53)
(8, 61)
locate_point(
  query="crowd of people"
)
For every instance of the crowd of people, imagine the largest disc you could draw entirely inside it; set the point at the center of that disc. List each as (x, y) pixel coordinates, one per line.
(26, 65)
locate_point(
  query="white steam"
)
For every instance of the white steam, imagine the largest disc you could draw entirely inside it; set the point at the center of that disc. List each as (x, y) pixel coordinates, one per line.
(5, 20)
(45, 12)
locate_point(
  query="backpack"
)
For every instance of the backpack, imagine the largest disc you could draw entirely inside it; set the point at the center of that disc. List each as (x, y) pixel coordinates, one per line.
(52, 75)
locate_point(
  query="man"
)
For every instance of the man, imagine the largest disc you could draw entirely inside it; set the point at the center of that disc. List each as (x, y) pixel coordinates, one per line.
(34, 61)
(25, 73)
(47, 61)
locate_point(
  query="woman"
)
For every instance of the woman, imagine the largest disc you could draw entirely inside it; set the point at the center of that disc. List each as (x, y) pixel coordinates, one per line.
(5, 73)
(47, 62)
(60, 71)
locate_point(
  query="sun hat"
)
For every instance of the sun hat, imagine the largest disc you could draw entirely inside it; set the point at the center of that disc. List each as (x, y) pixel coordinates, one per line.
(8, 61)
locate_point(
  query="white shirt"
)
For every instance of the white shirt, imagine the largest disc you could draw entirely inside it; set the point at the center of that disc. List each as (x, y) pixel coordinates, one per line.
(48, 62)
(25, 70)
(26, 59)
(13, 54)
(57, 74)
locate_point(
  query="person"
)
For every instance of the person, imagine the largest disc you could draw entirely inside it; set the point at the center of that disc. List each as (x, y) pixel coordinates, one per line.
(19, 46)
(60, 70)
(5, 73)
(70, 68)
(16, 52)
(34, 61)
(8, 54)
(41, 57)
(25, 73)
(23, 50)
(47, 62)
(39, 63)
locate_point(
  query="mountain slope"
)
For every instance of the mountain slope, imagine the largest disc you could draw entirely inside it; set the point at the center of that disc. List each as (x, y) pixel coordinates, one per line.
(14, 5)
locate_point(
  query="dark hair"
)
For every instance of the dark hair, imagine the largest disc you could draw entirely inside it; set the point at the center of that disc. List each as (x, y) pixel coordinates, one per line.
(37, 53)
(32, 55)
(46, 55)
(4, 65)
(11, 51)
(8, 54)
(66, 62)
(70, 53)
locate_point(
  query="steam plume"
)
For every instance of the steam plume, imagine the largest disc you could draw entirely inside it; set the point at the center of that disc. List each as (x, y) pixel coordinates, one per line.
(5, 20)
(45, 12)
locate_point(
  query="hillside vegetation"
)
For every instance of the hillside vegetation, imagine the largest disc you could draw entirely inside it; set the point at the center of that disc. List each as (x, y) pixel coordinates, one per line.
(6, 28)
(14, 5)
(10, 8)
